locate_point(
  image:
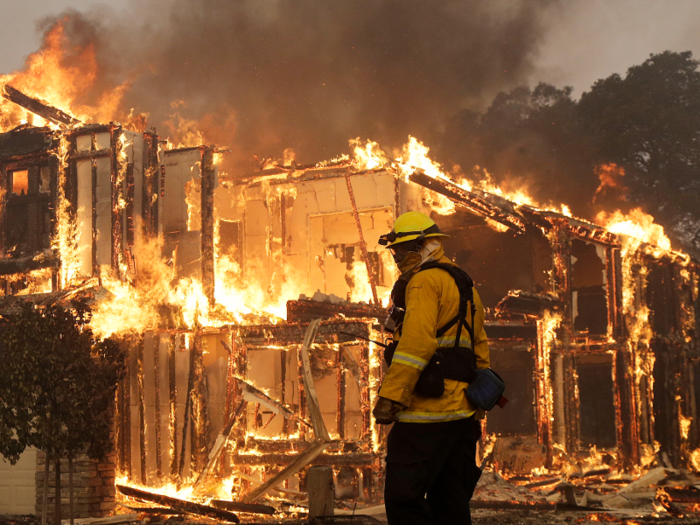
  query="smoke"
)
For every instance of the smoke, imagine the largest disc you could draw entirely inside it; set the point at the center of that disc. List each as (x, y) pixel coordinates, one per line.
(259, 77)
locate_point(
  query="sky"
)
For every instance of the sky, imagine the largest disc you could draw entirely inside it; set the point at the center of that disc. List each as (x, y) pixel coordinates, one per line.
(585, 40)
(591, 39)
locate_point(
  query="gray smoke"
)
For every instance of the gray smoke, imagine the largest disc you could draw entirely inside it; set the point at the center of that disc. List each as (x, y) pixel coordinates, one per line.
(260, 76)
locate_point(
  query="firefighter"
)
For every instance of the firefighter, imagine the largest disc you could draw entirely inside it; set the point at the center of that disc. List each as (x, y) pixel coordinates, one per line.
(431, 469)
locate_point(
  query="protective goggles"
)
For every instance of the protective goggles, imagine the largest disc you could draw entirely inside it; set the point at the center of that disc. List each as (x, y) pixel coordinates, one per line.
(401, 250)
(392, 236)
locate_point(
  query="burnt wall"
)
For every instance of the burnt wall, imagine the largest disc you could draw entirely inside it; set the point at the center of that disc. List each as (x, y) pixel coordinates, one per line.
(497, 261)
(671, 298)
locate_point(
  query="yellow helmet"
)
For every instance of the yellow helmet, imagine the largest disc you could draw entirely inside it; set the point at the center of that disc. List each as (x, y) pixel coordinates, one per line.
(412, 225)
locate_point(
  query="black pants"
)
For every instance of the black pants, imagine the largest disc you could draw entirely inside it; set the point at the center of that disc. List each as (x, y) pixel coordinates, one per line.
(431, 472)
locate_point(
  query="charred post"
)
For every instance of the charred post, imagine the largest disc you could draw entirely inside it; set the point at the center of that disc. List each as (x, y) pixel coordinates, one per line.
(207, 210)
(37, 107)
(117, 197)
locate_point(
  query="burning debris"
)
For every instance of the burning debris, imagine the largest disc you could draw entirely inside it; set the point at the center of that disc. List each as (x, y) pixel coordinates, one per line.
(249, 305)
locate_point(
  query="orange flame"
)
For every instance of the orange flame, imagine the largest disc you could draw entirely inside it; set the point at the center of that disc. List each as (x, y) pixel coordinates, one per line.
(638, 226)
(60, 74)
(610, 176)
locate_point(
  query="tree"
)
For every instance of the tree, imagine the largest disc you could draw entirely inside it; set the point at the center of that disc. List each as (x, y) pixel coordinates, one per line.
(649, 123)
(532, 138)
(57, 388)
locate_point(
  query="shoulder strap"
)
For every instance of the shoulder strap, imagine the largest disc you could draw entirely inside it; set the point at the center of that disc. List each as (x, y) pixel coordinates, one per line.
(465, 285)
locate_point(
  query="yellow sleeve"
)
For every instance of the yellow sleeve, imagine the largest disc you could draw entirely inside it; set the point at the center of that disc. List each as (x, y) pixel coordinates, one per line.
(417, 343)
(481, 344)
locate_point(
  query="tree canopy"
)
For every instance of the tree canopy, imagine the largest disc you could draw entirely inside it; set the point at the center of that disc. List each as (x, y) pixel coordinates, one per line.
(645, 125)
(58, 383)
(649, 123)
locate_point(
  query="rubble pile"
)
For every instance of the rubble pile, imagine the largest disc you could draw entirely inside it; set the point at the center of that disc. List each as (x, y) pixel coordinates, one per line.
(660, 492)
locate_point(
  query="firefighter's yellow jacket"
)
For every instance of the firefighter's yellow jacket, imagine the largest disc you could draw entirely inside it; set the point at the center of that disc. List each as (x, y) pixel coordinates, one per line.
(432, 299)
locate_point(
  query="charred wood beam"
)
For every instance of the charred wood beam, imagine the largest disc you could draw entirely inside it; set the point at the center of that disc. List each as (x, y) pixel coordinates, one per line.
(590, 232)
(364, 459)
(491, 206)
(129, 206)
(27, 264)
(37, 107)
(232, 391)
(186, 415)
(220, 444)
(340, 404)
(238, 506)
(180, 505)
(117, 198)
(126, 419)
(119, 429)
(566, 401)
(53, 207)
(150, 187)
(320, 430)
(353, 366)
(11, 304)
(512, 505)
(308, 309)
(254, 395)
(207, 211)
(3, 206)
(293, 333)
(172, 384)
(628, 432)
(683, 495)
(161, 511)
(519, 302)
(200, 408)
(158, 422)
(142, 408)
(299, 462)
(93, 175)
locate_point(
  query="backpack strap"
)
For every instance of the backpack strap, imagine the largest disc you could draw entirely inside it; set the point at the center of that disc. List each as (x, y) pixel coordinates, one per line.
(465, 285)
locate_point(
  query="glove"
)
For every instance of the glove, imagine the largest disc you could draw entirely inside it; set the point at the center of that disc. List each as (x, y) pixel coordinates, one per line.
(385, 411)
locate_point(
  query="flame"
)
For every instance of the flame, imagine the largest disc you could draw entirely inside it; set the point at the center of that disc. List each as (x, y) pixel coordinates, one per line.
(60, 74)
(34, 282)
(610, 176)
(413, 157)
(695, 460)
(168, 489)
(486, 183)
(638, 227)
(66, 238)
(550, 323)
(368, 156)
(186, 133)
(238, 296)
(684, 421)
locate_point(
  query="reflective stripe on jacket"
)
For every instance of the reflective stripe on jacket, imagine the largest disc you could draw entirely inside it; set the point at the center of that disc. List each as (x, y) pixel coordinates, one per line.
(432, 299)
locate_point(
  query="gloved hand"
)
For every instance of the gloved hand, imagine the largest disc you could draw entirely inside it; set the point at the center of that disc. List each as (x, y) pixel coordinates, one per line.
(385, 411)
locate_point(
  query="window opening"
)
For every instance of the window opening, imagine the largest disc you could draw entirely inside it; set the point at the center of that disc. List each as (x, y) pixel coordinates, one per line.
(20, 182)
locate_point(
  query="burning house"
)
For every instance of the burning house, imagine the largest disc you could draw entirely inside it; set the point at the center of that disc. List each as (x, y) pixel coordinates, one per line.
(247, 302)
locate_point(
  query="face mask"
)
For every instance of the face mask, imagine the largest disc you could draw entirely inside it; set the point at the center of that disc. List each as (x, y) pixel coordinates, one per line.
(414, 259)
(409, 262)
